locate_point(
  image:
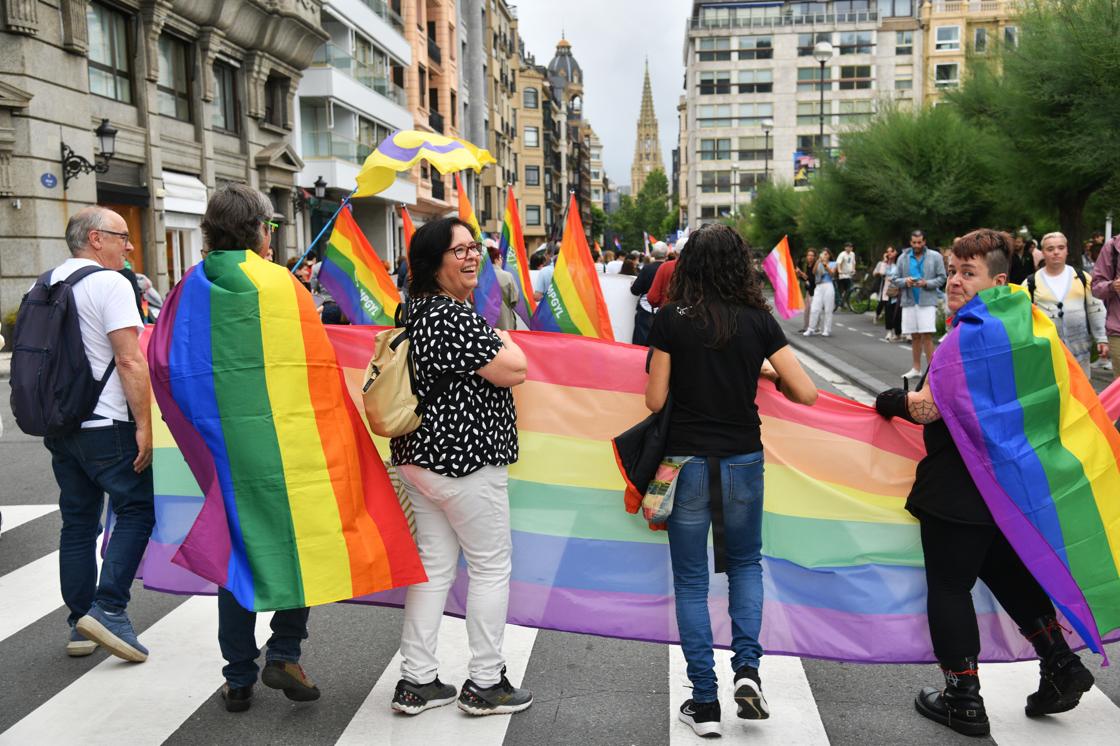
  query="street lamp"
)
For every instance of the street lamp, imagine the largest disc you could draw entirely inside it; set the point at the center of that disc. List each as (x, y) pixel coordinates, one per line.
(822, 53)
(767, 126)
(320, 188)
(734, 188)
(74, 164)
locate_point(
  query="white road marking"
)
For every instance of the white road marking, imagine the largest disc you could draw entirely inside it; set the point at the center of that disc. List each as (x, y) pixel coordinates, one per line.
(842, 384)
(28, 594)
(442, 725)
(17, 515)
(119, 702)
(794, 718)
(1005, 687)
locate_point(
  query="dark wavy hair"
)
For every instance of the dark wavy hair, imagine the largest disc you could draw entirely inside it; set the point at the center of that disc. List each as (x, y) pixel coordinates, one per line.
(715, 278)
(425, 254)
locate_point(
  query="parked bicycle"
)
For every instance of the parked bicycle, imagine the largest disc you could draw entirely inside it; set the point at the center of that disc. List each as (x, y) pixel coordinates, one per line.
(861, 297)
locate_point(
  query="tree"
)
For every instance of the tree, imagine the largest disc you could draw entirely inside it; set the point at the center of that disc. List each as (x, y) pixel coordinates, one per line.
(828, 219)
(598, 223)
(1052, 102)
(647, 211)
(773, 214)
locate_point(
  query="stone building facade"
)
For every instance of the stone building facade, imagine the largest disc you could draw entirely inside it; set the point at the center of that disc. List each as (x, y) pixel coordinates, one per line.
(200, 93)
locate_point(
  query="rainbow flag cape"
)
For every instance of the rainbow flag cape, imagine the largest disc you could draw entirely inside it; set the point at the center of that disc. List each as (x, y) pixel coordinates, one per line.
(403, 149)
(512, 244)
(574, 301)
(293, 506)
(842, 558)
(778, 266)
(354, 275)
(408, 228)
(1040, 447)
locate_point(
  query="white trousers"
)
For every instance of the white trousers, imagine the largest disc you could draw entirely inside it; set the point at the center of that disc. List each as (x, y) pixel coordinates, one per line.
(824, 299)
(469, 513)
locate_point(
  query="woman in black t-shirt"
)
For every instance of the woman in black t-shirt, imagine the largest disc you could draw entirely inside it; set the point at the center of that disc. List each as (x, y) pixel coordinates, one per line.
(710, 345)
(455, 470)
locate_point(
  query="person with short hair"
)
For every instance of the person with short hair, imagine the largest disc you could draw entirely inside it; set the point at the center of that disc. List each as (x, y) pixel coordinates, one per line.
(543, 280)
(455, 469)
(643, 314)
(962, 543)
(824, 296)
(845, 271)
(630, 264)
(1063, 294)
(921, 273)
(110, 453)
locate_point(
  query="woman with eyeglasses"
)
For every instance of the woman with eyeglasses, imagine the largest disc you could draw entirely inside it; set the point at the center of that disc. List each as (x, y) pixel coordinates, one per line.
(455, 471)
(1063, 293)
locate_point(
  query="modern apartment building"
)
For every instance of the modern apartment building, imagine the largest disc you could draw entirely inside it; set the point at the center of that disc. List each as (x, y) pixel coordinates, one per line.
(500, 67)
(350, 99)
(754, 90)
(537, 152)
(188, 95)
(956, 28)
(598, 174)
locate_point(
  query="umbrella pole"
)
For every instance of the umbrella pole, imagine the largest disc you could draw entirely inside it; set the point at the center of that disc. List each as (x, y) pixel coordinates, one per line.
(326, 225)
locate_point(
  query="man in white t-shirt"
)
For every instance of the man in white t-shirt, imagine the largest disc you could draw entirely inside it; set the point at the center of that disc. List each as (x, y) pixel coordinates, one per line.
(845, 270)
(543, 277)
(111, 453)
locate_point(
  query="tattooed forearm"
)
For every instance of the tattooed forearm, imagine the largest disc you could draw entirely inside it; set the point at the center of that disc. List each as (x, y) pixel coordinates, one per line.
(924, 411)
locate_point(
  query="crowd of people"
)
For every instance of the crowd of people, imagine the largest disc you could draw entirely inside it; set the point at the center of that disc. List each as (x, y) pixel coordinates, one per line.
(712, 338)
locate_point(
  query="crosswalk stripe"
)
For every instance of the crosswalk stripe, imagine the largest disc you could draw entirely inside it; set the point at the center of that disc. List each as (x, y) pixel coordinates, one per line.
(443, 724)
(794, 718)
(1005, 686)
(17, 515)
(150, 700)
(28, 594)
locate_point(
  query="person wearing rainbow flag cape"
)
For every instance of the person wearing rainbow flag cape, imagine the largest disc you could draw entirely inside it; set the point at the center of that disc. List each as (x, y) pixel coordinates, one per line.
(1011, 490)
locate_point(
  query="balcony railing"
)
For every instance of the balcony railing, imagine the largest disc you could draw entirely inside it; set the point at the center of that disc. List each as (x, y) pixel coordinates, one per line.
(327, 144)
(972, 7)
(434, 53)
(384, 11)
(786, 19)
(370, 76)
(435, 121)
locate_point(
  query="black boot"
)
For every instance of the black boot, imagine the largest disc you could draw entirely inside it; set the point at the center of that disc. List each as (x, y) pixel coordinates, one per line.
(1063, 677)
(959, 704)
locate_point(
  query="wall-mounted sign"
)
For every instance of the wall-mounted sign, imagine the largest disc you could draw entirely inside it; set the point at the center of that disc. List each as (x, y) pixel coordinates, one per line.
(49, 180)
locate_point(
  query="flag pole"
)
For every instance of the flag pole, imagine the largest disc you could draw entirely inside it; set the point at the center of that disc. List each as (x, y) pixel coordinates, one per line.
(328, 224)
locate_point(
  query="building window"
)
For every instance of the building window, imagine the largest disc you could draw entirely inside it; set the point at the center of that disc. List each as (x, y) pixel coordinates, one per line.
(370, 134)
(715, 83)
(227, 112)
(532, 137)
(529, 98)
(173, 92)
(276, 100)
(809, 112)
(805, 42)
(946, 75)
(980, 40)
(903, 42)
(904, 77)
(423, 86)
(714, 49)
(1011, 36)
(809, 12)
(810, 143)
(715, 149)
(454, 109)
(715, 182)
(532, 214)
(903, 84)
(751, 115)
(948, 38)
(856, 112)
(756, 81)
(753, 148)
(756, 48)
(715, 115)
(856, 42)
(532, 176)
(597, 194)
(110, 71)
(596, 174)
(896, 8)
(814, 78)
(855, 77)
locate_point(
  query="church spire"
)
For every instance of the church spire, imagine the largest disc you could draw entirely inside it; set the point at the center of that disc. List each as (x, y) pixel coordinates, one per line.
(647, 148)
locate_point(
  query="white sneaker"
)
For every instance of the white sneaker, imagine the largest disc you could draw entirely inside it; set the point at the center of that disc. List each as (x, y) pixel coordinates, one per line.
(826, 334)
(912, 373)
(808, 333)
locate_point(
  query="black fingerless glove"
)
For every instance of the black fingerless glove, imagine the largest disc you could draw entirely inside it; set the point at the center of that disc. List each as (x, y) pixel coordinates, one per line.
(892, 403)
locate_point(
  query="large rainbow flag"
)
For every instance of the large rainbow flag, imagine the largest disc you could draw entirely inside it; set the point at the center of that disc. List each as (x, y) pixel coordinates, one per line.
(355, 277)
(778, 266)
(294, 507)
(512, 244)
(1040, 447)
(843, 560)
(574, 301)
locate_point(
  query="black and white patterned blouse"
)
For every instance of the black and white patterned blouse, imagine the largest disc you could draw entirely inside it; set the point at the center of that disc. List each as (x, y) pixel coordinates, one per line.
(473, 423)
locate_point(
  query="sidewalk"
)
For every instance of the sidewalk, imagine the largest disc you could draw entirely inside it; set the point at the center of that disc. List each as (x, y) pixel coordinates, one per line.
(5, 364)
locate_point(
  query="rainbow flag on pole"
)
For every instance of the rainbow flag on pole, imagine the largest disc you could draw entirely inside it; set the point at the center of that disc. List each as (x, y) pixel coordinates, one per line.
(1040, 447)
(297, 509)
(778, 266)
(512, 244)
(574, 301)
(355, 277)
(488, 294)
(408, 229)
(842, 558)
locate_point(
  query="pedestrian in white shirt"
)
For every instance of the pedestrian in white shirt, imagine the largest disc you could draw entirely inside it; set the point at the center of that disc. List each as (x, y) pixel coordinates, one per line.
(845, 270)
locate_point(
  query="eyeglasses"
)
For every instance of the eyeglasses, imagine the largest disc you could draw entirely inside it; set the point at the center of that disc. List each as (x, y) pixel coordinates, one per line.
(123, 236)
(272, 225)
(461, 252)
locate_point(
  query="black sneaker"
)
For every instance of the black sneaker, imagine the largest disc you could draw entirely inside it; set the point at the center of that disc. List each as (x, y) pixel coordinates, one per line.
(702, 717)
(748, 695)
(412, 699)
(500, 699)
(237, 699)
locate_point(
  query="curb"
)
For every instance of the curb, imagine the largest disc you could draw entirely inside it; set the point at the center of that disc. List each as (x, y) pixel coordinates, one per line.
(857, 377)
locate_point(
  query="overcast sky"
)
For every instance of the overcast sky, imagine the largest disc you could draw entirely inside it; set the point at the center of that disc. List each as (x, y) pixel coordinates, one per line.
(610, 41)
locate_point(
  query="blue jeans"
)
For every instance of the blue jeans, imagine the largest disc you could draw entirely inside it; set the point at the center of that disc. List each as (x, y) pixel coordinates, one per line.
(238, 641)
(88, 464)
(688, 546)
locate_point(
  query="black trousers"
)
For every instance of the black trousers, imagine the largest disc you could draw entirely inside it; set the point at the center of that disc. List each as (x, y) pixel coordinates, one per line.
(893, 315)
(956, 555)
(643, 323)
